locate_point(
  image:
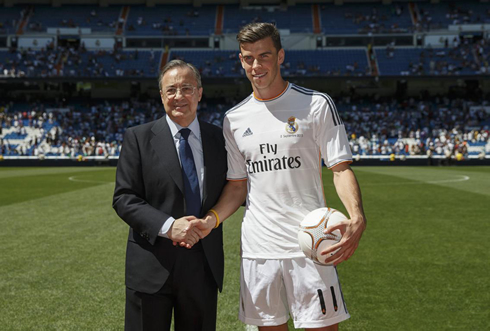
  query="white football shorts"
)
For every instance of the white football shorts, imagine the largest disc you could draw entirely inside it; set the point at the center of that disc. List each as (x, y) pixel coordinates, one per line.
(271, 290)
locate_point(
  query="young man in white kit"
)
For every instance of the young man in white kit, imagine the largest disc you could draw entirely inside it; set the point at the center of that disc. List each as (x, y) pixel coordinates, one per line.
(275, 139)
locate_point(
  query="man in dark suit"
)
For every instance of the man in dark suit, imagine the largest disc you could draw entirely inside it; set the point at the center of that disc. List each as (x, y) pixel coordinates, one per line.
(156, 195)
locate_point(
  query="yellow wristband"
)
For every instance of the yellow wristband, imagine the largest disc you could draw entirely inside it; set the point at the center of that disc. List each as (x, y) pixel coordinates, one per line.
(217, 217)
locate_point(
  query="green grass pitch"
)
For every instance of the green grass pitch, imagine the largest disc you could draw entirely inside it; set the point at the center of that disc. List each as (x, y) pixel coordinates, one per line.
(423, 262)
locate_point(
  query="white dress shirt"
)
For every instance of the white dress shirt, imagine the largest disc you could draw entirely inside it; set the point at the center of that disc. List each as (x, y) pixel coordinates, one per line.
(195, 143)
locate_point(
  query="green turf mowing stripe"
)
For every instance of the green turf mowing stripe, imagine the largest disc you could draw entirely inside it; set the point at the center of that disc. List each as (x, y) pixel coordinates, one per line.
(6, 172)
(422, 263)
(24, 188)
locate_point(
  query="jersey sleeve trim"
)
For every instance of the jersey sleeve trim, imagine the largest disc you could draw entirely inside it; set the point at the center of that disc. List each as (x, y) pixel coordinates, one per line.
(244, 101)
(340, 162)
(335, 115)
(236, 179)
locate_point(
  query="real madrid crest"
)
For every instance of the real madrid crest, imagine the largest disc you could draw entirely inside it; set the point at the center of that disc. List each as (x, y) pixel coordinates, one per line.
(292, 126)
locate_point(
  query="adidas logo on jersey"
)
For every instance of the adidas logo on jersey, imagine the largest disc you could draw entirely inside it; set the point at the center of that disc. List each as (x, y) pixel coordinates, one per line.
(247, 133)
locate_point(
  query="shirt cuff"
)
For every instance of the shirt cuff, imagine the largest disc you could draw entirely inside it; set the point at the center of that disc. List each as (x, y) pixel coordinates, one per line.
(166, 226)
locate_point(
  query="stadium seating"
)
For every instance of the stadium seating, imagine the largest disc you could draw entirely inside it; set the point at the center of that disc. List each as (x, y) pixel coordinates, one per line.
(97, 18)
(335, 62)
(172, 20)
(66, 63)
(29, 63)
(365, 18)
(182, 20)
(211, 63)
(441, 15)
(297, 19)
(102, 64)
(399, 63)
(428, 61)
(9, 18)
(15, 136)
(375, 128)
(297, 62)
(380, 128)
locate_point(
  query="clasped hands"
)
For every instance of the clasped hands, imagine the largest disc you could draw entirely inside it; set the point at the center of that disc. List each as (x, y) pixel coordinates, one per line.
(188, 230)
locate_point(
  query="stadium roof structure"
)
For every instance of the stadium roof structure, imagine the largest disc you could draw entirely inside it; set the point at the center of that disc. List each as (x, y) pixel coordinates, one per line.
(196, 3)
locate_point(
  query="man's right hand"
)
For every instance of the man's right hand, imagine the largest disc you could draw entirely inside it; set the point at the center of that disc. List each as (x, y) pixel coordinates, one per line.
(181, 233)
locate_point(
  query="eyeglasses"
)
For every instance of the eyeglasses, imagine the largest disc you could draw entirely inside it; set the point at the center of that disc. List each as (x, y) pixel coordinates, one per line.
(186, 91)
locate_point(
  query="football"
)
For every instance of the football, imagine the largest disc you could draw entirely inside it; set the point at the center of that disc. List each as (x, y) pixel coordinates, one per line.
(311, 238)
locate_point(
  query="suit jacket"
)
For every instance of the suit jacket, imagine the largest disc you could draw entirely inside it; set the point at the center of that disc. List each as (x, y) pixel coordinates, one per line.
(149, 189)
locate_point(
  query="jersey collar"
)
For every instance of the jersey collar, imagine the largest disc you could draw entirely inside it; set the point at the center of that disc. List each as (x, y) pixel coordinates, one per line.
(274, 98)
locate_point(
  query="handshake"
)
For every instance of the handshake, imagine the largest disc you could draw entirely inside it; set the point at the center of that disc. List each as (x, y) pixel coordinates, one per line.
(188, 230)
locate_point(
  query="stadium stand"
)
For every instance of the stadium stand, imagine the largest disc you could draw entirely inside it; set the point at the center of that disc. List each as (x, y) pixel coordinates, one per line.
(111, 63)
(394, 62)
(462, 60)
(465, 58)
(365, 18)
(297, 63)
(10, 18)
(65, 62)
(211, 63)
(441, 15)
(448, 42)
(171, 20)
(338, 62)
(29, 63)
(408, 127)
(294, 20)
(98, 19)
(413, 127)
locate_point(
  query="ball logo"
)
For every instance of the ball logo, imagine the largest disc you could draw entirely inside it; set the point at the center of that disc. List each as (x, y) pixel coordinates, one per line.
(292, 126)
(311, 238)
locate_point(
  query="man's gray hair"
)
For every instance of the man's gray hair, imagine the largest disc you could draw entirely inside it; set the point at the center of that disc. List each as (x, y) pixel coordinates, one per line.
(179, 64)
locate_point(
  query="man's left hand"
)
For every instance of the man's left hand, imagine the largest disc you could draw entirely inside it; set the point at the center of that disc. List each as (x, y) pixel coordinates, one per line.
(351, 231)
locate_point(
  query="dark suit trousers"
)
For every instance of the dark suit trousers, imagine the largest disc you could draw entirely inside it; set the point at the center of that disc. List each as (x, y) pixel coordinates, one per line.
(190, 291)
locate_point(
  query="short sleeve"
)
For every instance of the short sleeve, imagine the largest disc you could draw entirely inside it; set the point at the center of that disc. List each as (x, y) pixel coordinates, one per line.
(237, 169)
(330, 133)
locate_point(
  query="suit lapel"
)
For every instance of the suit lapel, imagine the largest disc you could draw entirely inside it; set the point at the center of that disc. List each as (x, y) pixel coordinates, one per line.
(163, 144)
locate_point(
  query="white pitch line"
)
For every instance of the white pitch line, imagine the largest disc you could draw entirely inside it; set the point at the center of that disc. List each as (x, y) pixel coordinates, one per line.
(74, 179)
(251, 328)
(461, 179)
(464, 178)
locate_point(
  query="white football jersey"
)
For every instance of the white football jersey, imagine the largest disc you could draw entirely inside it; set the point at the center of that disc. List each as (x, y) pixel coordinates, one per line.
(277, 145)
